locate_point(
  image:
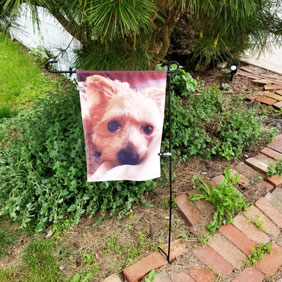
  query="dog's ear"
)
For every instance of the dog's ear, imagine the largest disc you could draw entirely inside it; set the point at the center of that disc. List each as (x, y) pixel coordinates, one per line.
(157, 94)
(99, 89)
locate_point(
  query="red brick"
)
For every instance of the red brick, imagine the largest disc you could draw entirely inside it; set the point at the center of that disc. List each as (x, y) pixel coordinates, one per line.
(138, 270)
(247, 74)
(177, 248)
(275, 180)
(112, 278)
(271, 153)
(162, 277)
(204, 206)
(278, 105)
(182, 277)
(257, 165)
(237, 238)
(275, 198)
(274, 96)
(270, 264)
(275, 146)
(249, 229)
(201, 275)
(249, 275)
(206, 210)
(278, 138)
(217, 180)
(268, 226)
(277, 141)
(248, 171)
(265, 186)
(266, 100)
(243, 180)
(270, 211)
(227, 250)
(213, 260)
(252, 97)
(265, 159)
(272, 86)
(261, 81)
(188, 210)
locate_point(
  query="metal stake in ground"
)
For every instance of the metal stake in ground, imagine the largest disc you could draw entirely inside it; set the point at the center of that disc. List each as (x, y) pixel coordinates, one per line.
(169, 154)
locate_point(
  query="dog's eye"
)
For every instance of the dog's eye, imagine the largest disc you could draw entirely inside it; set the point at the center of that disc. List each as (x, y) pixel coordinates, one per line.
(148, 129)
(113, 126)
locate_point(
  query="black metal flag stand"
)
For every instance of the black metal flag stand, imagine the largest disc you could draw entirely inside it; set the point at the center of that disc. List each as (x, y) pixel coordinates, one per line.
(167, 154)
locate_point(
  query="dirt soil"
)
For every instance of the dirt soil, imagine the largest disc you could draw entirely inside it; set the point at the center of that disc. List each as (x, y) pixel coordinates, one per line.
(151, 219)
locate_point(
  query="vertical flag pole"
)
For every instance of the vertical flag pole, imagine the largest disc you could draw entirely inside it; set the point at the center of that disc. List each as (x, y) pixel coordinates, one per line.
(169, 154)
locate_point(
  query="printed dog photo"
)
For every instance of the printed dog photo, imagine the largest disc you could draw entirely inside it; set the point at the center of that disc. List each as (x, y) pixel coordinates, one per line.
(122, 126)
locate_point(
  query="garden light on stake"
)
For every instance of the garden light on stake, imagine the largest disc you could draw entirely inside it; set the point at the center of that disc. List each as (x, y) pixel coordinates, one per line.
(233, 69)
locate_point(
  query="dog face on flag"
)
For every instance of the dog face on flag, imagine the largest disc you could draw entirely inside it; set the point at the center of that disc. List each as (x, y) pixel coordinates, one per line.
(125, 124)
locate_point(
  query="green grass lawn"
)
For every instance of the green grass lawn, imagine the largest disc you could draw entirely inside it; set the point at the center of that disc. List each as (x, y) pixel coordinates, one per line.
(21, 79)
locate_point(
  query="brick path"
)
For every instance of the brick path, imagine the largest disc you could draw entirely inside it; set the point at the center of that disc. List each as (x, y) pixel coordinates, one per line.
(228, 249)
(271, 82)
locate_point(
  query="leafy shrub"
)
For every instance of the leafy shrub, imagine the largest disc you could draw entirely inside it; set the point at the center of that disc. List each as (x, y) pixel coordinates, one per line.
(42, 167)
(206, 123)
(42, 157)
(227, 201)
(222, 30)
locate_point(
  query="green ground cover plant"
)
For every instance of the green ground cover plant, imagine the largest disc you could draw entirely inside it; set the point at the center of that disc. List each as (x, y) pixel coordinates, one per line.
(151, 276)
(21, 80)
(43, 159)
(258, 253)
(275, 168)
(43, 167)
(227, 201)
(204, 240)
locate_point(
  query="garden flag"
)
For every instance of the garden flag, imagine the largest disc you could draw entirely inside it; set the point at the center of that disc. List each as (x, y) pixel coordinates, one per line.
(122, 114)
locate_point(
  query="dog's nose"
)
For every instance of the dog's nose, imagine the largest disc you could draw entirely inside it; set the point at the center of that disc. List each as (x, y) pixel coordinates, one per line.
(128, 156)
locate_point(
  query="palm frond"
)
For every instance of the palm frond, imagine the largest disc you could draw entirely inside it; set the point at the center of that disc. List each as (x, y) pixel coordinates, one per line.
(118, 19)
